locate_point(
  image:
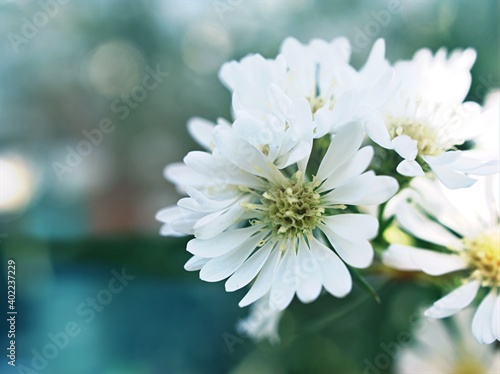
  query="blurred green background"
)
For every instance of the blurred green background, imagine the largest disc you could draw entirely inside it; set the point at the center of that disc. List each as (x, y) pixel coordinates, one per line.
(69, 67)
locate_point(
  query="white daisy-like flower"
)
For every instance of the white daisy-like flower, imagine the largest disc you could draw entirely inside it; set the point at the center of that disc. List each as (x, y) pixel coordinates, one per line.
(465, 225)
(257, 221)
(439, 350)
(320, 73)
(426, 119)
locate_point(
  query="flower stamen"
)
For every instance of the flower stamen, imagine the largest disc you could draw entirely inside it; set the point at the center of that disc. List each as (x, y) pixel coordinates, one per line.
(425, 136)
(291, 208)
(483, 255)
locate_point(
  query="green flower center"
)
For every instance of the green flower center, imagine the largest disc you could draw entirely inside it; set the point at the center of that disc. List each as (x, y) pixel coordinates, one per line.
(290, 209)
(483, 254)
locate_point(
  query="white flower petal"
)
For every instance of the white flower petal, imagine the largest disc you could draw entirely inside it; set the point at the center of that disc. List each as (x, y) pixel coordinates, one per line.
(244, 155)
(366, 189)
(298, 153)
(185, 222)
(177, 221)
(195, 263)
(381, 190)
(404, 257)
(249, 269)
(450, 208)
(168, 230)
(434, 312)
(422, 227)
(350, 169)
(376, 130)
(356, 189)
(356, 253)
(213, 224)
(343, 147)
(335, 276)
(250, 79)
(221, 244)
(198, 202)
(495, 323)
(182, 175)
(280, 102)
(221, 171)
(482, 327)
(324, 118)
(264, 280)
(405, 146)
(353, 227)
(376, 59)
(308, 273)
(221, 267)
(285, 282)
(168, 214)
(487, 168)
(444, 159)
(452, 167)
(202, 131)
(382, 90)
(454, 301)
(470, 161)
(451, 178)
(410, 168)
(293, 50)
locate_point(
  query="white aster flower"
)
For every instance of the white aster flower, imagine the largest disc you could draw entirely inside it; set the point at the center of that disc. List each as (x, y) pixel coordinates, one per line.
(439, 350)
(426, 119)
(261, 218)
(320, 73)
(466, 228)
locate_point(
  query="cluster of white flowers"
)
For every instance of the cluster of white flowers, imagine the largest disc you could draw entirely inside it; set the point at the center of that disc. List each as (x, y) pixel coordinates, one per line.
(278, 199)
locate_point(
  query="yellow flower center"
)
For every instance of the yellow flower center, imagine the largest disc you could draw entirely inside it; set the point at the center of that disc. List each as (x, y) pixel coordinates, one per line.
(317, 102)
(293, 208)
(483, 254)
(469, 365)
(290, 209)
(425, 136)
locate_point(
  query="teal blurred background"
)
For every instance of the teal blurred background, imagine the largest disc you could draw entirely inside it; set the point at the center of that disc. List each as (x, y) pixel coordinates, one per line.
(137, 71)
